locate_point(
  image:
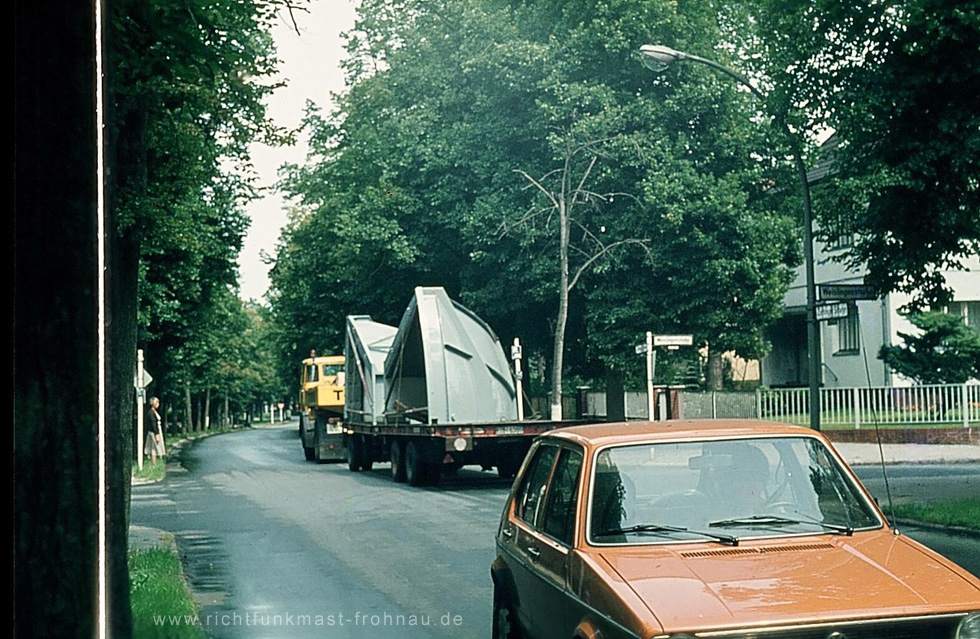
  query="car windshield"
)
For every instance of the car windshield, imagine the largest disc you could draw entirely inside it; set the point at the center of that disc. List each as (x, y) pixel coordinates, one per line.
(656, 493)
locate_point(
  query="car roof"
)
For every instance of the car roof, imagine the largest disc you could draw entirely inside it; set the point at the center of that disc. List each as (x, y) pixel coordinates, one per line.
(682, 429)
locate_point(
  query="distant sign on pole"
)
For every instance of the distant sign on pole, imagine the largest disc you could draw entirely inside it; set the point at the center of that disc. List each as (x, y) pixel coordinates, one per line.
(673, 340)
(847, 292)
(835, 310)
(641, 348)
(146, 380)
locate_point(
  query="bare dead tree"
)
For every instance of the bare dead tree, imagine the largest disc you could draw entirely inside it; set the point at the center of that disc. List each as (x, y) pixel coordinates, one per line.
(565, 195)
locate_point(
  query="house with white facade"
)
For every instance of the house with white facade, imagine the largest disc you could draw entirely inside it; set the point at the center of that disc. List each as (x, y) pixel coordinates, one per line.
(846, 342)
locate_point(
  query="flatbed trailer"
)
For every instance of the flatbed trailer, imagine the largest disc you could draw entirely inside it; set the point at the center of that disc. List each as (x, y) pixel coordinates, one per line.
(420, 454)
(435, 394)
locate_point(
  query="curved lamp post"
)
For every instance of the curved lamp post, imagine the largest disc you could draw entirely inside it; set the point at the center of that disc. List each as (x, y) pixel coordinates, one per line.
(658, 58)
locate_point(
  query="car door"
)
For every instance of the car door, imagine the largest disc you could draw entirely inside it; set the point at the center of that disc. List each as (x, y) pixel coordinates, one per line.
(517, 534)
(549, 546)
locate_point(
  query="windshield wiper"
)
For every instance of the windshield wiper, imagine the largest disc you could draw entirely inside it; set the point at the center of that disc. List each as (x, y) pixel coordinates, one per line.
(776, 520)
(656, 528)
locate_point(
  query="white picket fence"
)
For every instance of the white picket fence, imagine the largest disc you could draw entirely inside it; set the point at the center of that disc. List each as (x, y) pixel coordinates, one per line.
(953, 404)
(945, 404)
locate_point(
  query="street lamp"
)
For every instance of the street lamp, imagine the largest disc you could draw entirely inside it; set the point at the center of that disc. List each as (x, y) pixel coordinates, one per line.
(658, 58)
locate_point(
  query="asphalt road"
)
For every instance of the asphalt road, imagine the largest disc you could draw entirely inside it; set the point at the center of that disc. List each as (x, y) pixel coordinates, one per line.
(266, 533)
(275, 546)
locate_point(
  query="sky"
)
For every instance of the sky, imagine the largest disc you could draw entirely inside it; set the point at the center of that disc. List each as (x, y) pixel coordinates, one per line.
(310, 64)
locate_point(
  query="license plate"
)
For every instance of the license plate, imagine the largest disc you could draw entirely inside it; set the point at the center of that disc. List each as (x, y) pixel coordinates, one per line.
(510, 430)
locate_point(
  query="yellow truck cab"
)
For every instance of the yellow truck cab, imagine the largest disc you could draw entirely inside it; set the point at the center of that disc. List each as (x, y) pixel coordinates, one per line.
(321, 399)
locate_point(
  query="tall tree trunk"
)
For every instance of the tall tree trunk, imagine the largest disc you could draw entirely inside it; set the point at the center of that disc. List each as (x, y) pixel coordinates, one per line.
(715, 370)
(188, 409)
(226, 420)
(56, 327)
(558, 354)
(207, 410)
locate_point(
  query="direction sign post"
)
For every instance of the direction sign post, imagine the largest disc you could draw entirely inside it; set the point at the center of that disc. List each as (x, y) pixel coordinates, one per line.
(835, 310)
(673, 340)
(847, 292)
(515, 354)
(139, 410)
(651, 362)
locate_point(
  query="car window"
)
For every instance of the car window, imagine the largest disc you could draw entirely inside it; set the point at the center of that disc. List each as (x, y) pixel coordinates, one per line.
(559, 515)
(531, 492)
(734, 487)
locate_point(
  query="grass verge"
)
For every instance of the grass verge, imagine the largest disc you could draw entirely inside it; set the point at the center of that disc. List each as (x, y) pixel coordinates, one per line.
(151, 471)
(162, 606)
(959, 512)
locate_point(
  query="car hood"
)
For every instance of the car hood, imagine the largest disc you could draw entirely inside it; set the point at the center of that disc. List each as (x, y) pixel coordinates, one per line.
(874, 574)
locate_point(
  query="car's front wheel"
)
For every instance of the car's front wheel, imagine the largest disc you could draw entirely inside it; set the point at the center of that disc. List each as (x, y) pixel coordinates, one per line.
(504, 623)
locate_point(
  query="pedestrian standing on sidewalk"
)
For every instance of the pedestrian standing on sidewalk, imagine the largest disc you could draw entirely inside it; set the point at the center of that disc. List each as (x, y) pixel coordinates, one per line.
(154, 431)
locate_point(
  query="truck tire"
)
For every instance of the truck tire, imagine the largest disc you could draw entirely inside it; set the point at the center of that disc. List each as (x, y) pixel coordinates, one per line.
(415, 469)
(397, 462)
(353, 454)
(309, 452)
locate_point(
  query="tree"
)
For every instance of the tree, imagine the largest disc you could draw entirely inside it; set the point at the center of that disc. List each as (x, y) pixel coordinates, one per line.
(900, 83)
(415, 175)
(56, 327)
(944, 351)
(564, 199)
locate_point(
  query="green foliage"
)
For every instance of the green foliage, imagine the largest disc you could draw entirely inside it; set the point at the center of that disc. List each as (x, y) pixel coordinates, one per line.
(900, 83)
(188, 86)
(158, 590)
(946, 351)
(421, 178)
(954, 512)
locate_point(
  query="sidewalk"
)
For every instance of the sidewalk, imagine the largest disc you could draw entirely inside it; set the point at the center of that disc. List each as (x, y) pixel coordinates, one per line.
(143, 538)
(862, 454)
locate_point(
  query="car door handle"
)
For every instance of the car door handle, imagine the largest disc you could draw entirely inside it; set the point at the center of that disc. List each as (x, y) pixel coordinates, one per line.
(534, 552)
(508, 532)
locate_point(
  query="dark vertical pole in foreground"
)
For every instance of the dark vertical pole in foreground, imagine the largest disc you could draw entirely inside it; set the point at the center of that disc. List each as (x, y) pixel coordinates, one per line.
(56, 348)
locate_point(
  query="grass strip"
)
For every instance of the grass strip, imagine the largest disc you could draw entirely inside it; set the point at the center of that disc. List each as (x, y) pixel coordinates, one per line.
(161, 603)
(959, 512)
(151, 471)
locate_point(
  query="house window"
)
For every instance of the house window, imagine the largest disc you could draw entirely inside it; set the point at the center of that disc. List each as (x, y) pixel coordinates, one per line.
(973, 315)
(849, 333)
(840, 241)
(969, 311)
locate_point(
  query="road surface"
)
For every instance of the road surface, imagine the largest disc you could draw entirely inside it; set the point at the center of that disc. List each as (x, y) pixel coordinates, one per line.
(275, 546)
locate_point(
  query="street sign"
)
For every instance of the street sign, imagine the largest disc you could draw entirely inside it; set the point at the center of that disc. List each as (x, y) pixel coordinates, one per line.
(140, 384)
(835, 310)
(515, 351)
(673, 340)
(847, 292)
(641, 348)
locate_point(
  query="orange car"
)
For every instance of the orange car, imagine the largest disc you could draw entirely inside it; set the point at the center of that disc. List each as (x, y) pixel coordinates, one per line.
(739, 529)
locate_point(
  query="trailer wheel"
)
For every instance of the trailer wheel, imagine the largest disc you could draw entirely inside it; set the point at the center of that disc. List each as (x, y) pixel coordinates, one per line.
(397, 462)
(415, 471)
(309, 452)
(353, 454)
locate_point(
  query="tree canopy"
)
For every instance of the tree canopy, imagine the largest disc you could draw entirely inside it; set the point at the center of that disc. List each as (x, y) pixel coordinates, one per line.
(421, 177)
